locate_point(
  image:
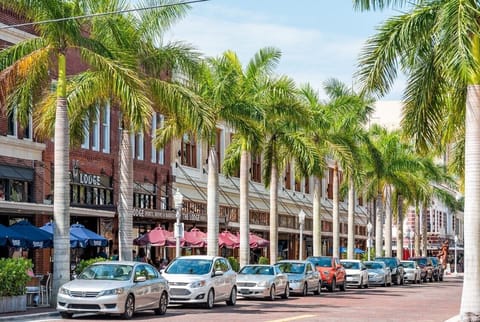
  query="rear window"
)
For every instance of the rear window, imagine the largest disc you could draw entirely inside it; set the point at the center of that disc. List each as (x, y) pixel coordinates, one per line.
(321, 261)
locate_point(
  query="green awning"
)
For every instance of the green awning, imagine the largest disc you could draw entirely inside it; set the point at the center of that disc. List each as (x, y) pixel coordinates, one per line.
(16, 173)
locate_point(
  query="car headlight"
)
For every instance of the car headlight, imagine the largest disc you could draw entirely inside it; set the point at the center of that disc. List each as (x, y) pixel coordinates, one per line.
(295, 281)
(115, 291)
(63, 290)
(198, 284)
(263, 283)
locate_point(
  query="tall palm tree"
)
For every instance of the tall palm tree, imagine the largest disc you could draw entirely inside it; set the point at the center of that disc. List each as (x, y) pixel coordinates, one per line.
(26, 69)
(437, 44)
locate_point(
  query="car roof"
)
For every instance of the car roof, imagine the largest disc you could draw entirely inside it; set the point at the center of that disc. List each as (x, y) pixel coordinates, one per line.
(118, 262)
(200, 257)
(292, 261)
(351, 260)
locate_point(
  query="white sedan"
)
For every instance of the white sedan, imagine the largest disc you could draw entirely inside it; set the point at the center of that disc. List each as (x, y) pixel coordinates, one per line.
(357, 274)
(413, 272)
(262, 281)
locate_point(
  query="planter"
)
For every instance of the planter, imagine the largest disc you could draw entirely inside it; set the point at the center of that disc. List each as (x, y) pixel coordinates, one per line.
(13, 303)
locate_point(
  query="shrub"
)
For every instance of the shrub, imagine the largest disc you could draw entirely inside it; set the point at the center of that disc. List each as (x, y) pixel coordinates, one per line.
(263, 260)
(86, 262)
(14, 276)
(234, 263)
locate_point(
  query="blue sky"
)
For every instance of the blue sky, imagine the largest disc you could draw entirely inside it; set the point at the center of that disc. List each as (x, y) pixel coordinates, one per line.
(318, 39)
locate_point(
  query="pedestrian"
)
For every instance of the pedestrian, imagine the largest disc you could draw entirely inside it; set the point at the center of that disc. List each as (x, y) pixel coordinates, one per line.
(115, 255)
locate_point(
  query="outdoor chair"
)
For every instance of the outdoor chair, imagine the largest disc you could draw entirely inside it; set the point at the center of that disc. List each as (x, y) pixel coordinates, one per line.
(45, 289)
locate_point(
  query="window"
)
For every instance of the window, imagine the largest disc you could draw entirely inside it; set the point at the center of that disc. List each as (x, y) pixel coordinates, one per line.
(12, 123)
(158, 155)
(188, 153)
(86, 132)
(106, 128)
(86, 195)
(96, 130)
(139, 146)
(306, 185)
(256, 168)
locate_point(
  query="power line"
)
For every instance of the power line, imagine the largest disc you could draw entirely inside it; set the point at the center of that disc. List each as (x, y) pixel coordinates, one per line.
(101, 14)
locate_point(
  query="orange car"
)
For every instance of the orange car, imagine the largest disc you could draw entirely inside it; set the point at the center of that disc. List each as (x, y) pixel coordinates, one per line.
(331, 271)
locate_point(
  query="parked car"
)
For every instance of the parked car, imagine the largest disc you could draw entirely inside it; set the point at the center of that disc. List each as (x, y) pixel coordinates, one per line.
(302, 276)
(413, 272)
(378, 273)
(357, 274)
(426, 267)
(114, 287)
(262, 281)
(438, 270)
(331, 271)
(395, 267)
(201, 279)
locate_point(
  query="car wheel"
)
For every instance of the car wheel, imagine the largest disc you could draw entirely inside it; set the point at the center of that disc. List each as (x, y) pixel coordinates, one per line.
(286, 293)
(397, 280)
(66, 315)
(402, 280)
(360, 285)
(162, 304)
(272, 293)
(366, 284)
(318, 291)
(333, 286)
(129, 308)
(305, 290)
(385, 284)
(342, 287)
(210, 299)
(232, 300)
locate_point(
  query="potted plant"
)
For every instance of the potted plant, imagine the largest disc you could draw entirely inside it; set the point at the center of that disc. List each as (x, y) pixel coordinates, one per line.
(14, 278)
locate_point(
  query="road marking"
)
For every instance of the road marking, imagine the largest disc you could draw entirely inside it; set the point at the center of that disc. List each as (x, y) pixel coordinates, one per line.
(293, 318)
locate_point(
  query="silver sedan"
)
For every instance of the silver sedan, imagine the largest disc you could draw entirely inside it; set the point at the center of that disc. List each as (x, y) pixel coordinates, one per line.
(116, 287)
(262, 281)
(302, 276)
(378, 273)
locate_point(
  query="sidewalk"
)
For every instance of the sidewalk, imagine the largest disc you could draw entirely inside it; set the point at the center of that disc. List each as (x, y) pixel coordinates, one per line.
(31, 314)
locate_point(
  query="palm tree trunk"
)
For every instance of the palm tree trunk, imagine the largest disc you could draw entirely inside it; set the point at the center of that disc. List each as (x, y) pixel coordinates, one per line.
(379, 226)
(388, 221)
(273, 214)
(317, 217)
(125, 202)
(351, 219)
(244, 209)
(418, 214)
(212, 203)
(400, 228)
(470, 308)
(335, 215)
(61, 204)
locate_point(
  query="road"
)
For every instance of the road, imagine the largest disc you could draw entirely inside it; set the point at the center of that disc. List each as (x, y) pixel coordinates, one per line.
(437, 301)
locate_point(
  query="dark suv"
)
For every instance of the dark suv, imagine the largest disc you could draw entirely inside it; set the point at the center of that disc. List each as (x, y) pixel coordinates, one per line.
(396, 268)
(426, 266)
(437, 269)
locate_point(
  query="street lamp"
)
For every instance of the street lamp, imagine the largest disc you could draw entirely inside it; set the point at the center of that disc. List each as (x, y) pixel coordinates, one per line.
(178, 200)
(301, 221)
(369, 240)
(455, 269)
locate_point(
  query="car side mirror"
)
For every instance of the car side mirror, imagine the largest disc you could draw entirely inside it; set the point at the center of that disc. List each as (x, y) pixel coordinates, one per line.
(218, 273)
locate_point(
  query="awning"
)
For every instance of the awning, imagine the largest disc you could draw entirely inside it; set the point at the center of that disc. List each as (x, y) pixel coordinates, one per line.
(18, 173)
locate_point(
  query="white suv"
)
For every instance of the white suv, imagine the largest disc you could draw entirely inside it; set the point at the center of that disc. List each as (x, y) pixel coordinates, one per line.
(201, 279)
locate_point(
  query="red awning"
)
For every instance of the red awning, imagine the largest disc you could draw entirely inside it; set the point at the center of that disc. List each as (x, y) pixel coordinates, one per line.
(228, 240)
(195, 238)
(156, 237)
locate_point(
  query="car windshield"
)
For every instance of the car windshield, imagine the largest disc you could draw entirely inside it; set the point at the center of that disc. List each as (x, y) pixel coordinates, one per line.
(351, 265)
(106, 272)
(408, 264)
(257, 270)
(374, 265)
(321, 261)
(434, 261)
(390, 262)
(421, 261)
(292, 268)
(189, 266)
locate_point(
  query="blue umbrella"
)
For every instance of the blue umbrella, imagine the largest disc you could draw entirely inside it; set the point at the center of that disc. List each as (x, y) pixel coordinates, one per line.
(35, 237)
(9, 237)
(343, 249)
(358, 251)
(87, 236)
(75, 242)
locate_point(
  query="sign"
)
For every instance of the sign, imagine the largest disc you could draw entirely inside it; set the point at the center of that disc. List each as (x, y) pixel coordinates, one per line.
(166, 214)
(179, 230)
(88, 179)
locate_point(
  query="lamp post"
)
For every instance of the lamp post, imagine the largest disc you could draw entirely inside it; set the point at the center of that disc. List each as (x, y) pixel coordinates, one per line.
(369, 239)
(455, 269)
(409, 235)
(178, 200)
(301, 221)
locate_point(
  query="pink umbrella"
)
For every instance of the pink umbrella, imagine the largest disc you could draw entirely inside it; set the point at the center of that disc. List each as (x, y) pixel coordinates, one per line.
(256, 241)
(195, 238)
(228, 240)
(156, 237)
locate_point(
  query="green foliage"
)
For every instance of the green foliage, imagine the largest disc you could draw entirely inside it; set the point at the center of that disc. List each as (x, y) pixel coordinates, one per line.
(234, 263)
(364, 256)
(263, 260)
(14, 276)
(86, 262)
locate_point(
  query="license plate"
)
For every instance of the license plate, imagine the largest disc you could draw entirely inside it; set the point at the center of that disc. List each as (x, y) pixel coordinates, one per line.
(244, 291)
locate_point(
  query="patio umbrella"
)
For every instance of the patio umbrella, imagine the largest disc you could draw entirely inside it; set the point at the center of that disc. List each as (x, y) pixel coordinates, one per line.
(256, 241)
(9, 237)
(358, 251)
(35, 237)
(156, 237)
(75, 242)
(228, 240)
(87, 236)
(195, 238)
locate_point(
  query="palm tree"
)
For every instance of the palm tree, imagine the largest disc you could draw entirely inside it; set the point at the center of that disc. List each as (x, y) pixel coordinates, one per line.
(437, 44)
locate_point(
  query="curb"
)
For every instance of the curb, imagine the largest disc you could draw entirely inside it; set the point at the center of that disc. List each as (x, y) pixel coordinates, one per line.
(29, 317)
